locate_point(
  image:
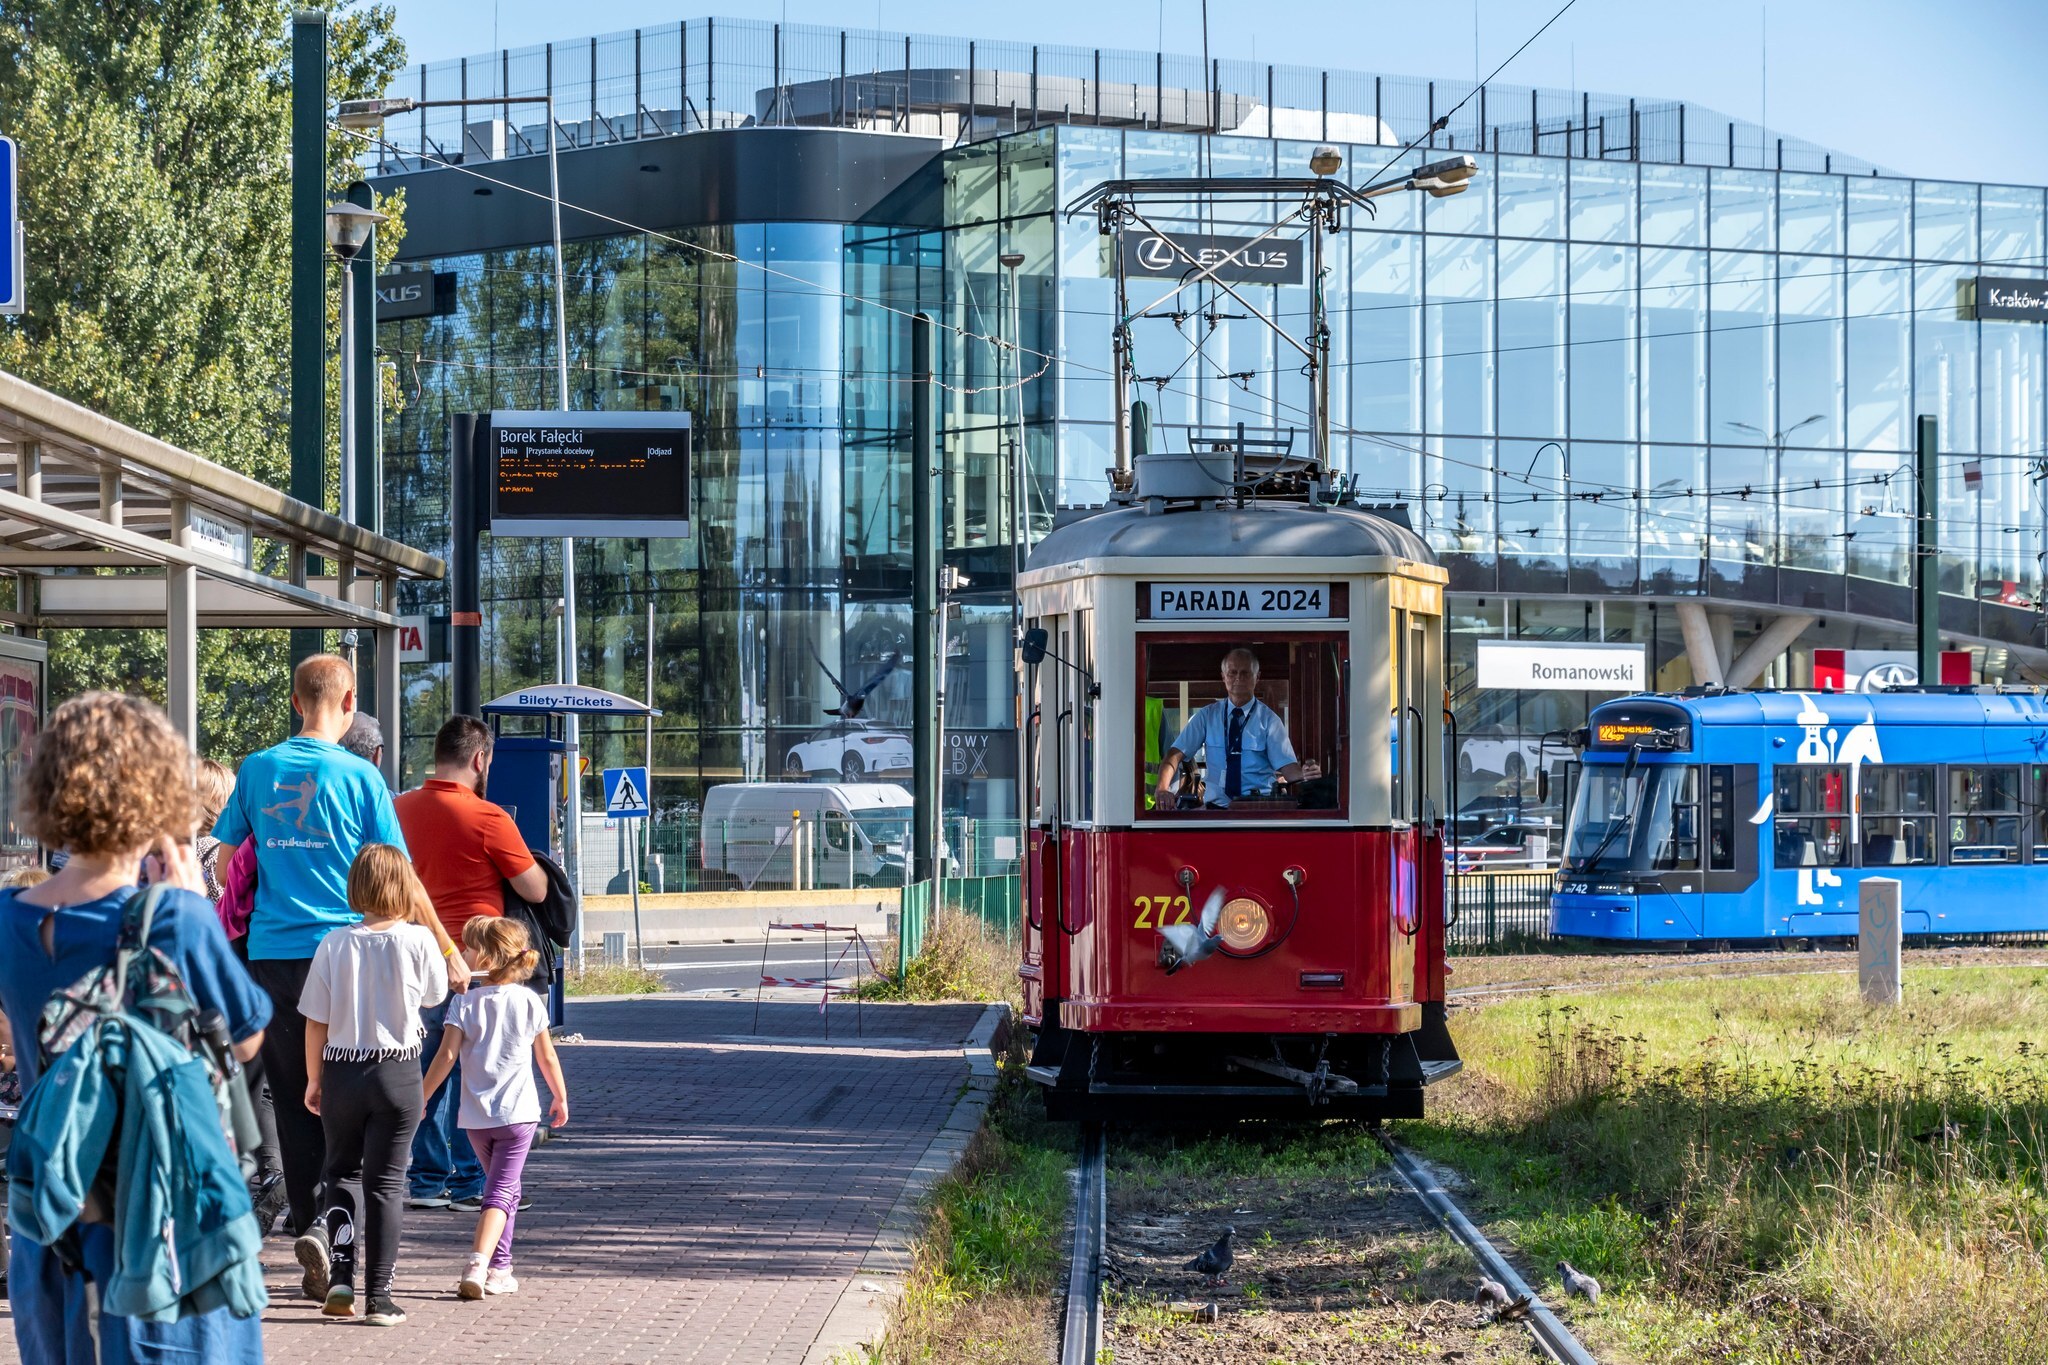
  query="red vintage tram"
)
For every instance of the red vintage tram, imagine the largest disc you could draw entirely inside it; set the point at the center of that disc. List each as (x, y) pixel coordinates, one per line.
(1236, 905)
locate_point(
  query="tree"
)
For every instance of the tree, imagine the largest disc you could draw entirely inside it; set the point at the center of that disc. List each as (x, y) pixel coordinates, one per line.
(154, 138)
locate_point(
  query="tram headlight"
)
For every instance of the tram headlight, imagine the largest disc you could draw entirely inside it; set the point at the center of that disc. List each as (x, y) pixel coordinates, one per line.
(1243, 924)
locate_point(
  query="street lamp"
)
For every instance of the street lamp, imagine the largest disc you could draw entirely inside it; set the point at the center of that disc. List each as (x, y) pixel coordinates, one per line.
(1438, 179)
(368, 115)
(348, 232)
(1326, 161)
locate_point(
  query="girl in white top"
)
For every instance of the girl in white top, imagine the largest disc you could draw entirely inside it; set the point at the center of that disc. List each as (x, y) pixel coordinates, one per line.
(364, 991)
(497, 1032)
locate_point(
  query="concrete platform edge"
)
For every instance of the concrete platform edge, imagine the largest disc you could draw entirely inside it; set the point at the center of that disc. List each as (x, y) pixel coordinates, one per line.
(861, 1314)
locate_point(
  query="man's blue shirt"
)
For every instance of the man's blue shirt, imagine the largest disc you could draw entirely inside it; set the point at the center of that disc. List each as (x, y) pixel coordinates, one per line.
(1262, 752)
(310, 806)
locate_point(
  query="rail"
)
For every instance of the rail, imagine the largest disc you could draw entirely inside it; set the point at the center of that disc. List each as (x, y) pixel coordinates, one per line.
(1081, 1323)
(1553, 1338)
(709, 73)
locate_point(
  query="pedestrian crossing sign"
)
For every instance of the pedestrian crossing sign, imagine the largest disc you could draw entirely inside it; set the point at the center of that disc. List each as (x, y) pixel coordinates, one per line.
(625, 793)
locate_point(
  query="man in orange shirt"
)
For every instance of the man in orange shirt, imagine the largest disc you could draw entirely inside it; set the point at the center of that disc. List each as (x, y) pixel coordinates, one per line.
(465, 849)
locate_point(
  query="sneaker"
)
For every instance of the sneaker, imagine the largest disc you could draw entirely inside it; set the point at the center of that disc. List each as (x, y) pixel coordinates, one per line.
(383, 1312)
(500, 1282)
(427, 1201)
(469, 1203)
(524, 1203)
(473, 1283)
(341, 1300)
(268, 1199)
(311, 1252)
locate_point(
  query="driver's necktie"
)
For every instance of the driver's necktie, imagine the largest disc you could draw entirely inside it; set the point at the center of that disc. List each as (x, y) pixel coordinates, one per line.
(1233, 763)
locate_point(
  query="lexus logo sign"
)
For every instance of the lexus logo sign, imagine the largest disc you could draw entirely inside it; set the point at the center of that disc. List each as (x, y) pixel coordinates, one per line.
(1233, 260)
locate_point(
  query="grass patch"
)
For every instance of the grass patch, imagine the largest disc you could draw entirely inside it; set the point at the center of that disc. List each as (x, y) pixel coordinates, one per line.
(961, 960)
(1768, 1169)
(993, 1250)
(612, 978)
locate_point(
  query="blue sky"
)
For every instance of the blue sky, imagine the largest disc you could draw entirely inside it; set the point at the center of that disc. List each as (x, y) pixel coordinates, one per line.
(1948, 89)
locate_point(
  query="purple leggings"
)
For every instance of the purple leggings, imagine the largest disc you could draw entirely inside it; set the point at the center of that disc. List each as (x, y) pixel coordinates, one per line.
(503, 1153)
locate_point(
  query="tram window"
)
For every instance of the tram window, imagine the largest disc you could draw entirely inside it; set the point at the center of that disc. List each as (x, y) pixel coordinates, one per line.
(1283, 728)
(1896, 806)
(1983, 815)
(2037, 808)
(1672, 834)
(1812, 805)
(1721, 818)
(1084, 768)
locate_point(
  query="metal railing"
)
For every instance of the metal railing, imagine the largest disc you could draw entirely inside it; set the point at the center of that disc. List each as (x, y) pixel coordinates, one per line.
(1498, 912)
(692, 853)
(721, 73)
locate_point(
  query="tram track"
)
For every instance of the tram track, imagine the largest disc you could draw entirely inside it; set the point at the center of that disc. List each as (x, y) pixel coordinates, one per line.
(1553, 1338)
(1082, 1317)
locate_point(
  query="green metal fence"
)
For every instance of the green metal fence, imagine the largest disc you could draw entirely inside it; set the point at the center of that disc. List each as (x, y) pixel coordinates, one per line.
(1495, 912)
(996, 901)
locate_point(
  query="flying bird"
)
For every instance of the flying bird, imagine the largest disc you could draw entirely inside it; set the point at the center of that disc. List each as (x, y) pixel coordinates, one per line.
(1186, 944)
(1578, 1282)
(1216, 1260)
(852, 703)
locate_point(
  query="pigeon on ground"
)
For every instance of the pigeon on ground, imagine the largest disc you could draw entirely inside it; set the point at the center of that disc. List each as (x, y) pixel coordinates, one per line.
(1578, 1282)
(1496, 1304)
(1185, 944)
(1216, 1260)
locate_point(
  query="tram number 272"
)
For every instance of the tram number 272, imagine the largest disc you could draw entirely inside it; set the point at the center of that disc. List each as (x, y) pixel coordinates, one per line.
(1160, 906)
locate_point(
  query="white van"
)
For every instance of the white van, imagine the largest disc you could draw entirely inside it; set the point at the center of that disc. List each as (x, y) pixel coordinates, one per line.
(858, 833)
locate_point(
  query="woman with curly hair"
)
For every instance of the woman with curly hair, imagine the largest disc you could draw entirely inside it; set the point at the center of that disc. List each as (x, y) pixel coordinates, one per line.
(110, 782)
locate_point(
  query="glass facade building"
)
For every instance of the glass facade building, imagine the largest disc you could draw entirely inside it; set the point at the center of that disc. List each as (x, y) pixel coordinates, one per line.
(1603, 382)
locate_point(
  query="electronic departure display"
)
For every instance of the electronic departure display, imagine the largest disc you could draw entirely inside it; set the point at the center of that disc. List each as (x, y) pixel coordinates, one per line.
(590, 474)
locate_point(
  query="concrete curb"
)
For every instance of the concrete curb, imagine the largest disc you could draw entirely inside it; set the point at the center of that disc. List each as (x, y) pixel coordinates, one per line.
(858, 1319)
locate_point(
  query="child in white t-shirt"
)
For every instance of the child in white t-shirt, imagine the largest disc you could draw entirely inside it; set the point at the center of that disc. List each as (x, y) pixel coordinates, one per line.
(497, 1031)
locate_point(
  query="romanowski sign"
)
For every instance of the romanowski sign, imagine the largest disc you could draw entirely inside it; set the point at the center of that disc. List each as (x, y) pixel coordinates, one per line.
(1532, 665)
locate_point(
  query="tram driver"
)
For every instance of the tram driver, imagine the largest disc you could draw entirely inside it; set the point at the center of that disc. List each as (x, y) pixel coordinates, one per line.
(1243, 740)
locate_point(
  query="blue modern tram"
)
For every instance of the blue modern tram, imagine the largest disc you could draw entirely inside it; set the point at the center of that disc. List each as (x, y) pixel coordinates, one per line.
(1753, 815)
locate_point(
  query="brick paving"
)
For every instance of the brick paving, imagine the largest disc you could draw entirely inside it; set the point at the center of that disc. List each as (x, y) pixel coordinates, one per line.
(711, 1199)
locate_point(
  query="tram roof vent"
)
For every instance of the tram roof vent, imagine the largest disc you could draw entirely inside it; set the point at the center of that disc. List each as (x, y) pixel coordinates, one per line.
(1183, 476)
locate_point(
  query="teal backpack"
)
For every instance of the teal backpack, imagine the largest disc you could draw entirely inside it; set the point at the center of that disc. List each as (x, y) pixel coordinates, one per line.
(141, 1119)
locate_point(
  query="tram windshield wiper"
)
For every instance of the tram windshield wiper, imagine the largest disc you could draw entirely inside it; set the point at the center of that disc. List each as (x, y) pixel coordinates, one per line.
(1592, 860)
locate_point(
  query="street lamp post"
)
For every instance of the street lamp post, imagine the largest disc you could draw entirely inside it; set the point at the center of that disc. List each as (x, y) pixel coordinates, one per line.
(368, 116)
(348, 231)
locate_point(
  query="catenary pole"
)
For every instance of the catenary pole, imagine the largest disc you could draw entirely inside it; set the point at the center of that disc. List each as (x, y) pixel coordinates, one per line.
(924, 600)
(572, 837)
(1927, 553)
(309, 278)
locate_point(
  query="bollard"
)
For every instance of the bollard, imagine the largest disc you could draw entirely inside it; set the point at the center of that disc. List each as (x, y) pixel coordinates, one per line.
(1879, 940)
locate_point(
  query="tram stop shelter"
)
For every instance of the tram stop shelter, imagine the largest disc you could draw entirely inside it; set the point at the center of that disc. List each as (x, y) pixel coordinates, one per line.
(104, 526)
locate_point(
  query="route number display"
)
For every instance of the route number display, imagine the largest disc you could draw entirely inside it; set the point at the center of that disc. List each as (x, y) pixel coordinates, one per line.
(1226, 601)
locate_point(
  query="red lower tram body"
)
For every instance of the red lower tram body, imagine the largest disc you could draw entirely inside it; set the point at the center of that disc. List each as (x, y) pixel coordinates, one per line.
(1336, 1008)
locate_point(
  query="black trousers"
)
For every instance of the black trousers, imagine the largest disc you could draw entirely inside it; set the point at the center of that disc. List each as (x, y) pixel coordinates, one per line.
(267, 1158)
(369, 1111)
(301, 1142)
